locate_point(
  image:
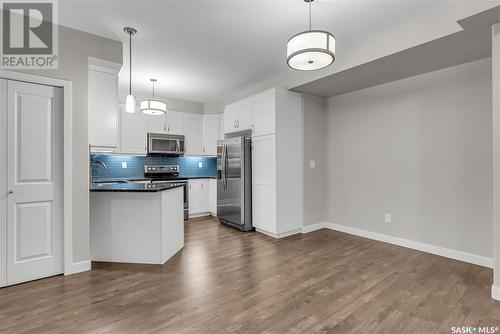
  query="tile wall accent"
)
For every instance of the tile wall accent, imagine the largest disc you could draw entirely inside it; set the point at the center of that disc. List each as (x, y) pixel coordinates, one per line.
(189, 166)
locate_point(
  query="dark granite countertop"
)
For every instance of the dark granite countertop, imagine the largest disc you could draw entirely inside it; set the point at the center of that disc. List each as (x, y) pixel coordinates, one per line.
(121, 179)
(132, 187)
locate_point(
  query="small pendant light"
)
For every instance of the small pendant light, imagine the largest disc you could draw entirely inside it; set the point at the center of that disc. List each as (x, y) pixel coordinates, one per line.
(130, 101)
(152, 106)
(310, 50)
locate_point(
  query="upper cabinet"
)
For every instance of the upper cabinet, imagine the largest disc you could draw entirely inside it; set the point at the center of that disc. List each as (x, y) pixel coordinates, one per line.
(210, 134)
(174, 123)
(170, 123)
(238, 117)
(103, 105)
(193, 131)
(257, 113)
(133, 130)
(264, 114)
(157, 124)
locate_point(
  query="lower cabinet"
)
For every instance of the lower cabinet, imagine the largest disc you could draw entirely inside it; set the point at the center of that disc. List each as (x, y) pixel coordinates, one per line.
(212, 196)
(198, 197)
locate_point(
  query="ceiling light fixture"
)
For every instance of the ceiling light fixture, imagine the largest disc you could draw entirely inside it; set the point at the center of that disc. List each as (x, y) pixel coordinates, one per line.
(130, 101)
(152, 106)
(310, 50)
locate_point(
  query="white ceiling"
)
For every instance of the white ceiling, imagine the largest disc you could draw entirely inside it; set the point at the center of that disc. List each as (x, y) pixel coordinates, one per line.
(220, 51)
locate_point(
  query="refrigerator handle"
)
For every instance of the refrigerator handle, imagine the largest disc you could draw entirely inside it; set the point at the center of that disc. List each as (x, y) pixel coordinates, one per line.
(225, 166)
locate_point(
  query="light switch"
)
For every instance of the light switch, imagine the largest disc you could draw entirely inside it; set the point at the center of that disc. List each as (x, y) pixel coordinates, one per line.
(387, 217)
(200, 164)
(312, 164)
(124, 164)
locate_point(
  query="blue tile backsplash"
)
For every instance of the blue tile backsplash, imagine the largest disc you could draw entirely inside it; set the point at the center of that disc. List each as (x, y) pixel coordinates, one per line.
(189, 166)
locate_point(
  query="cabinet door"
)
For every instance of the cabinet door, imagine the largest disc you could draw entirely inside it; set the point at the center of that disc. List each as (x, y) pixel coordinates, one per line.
(175, 123)
(193, 132)
(103, 109)
(264, 116)
(229, 120)
(204, 192)
(244, 118)
(212, 196)
(157, 124)
(133, 131)
(210, 135)
(264, 183)
(194, 197)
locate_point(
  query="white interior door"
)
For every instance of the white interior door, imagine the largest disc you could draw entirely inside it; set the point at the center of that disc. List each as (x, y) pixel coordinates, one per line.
(34, 182)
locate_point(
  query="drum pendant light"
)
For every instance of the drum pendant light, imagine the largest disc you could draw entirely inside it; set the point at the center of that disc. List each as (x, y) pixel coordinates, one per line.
(130, 101)
(152, 106)
(310, 50)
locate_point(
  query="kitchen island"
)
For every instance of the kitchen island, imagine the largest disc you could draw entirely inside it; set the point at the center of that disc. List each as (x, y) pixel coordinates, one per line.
(136, 222)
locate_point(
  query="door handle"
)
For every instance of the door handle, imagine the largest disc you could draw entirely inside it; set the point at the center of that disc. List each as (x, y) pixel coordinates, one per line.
(10, 192)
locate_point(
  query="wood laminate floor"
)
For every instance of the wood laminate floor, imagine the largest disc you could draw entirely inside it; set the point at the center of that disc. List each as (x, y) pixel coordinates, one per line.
(225, 281)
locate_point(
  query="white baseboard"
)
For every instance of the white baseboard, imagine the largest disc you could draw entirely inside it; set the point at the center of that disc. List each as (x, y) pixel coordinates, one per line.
(313, 227)
(198, 215)
(78, 267)
(495, 292)
(420, 246)
(279, 235)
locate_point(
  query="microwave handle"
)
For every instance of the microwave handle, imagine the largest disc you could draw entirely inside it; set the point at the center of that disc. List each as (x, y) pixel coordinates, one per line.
(178, 145)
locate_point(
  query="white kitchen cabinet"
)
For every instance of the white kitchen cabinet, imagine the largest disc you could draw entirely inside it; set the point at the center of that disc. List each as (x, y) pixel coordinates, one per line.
(174, 123)
(263, 113)
(103, 107)
(133, 132)
(212, 196)
(210, 134)
(198, 197)
(238, 117)
(193, 129)
(157, 123)
(170, 123)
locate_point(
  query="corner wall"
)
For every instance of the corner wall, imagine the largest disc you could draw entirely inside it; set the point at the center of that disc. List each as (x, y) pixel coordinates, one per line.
(315, 151)
(418, 148)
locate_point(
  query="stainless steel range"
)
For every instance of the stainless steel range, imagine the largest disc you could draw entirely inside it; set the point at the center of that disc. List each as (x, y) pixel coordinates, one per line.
(168, 174)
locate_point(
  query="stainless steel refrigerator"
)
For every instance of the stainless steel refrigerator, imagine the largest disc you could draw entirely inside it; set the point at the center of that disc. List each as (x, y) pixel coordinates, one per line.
(234, 183)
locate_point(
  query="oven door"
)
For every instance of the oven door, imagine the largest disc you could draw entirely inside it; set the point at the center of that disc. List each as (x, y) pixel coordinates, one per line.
(163, 144)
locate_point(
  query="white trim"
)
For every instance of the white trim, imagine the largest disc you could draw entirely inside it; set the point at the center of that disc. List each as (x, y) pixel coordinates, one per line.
(279, 235)
(3, 184)
(68, 153)
(313, 227)
(78, 267)
(420, 246)
(198, 215)
(495, 292)
(101, 65)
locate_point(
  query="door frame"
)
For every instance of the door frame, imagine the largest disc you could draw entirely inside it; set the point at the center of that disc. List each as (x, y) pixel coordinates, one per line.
(67, 86)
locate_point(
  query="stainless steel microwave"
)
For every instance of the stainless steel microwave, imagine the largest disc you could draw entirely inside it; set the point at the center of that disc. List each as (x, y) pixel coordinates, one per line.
(160, 143)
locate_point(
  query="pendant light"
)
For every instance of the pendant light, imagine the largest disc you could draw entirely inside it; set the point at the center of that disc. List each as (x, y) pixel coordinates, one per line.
(130, 101)
(152, 106)
(310, 50)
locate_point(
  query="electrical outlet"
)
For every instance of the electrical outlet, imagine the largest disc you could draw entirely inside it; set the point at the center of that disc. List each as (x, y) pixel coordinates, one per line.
(200, 164)
(124, 164)
(312, 164)
(388, 218)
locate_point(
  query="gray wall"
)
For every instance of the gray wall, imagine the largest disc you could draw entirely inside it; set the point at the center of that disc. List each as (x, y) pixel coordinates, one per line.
(421, 149)
(315, 149)
(74, 49)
